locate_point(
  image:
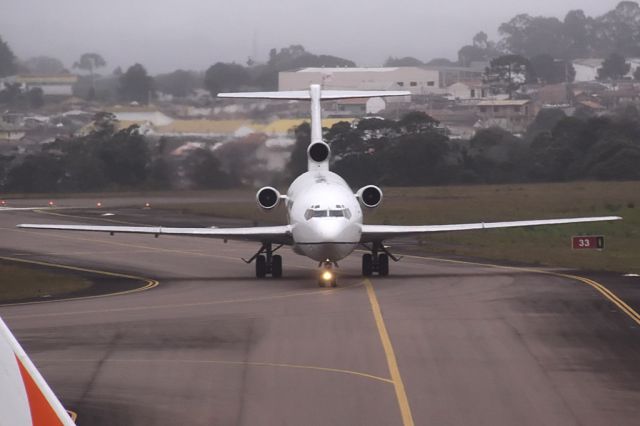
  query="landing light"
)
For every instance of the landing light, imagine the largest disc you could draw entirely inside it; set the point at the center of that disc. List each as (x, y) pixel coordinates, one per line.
(327, 275)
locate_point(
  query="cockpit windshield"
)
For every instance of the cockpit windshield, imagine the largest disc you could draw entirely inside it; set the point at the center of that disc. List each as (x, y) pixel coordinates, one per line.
(315, 211)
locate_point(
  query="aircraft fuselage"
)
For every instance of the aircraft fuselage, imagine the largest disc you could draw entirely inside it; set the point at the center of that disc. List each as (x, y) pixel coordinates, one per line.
(325, 216)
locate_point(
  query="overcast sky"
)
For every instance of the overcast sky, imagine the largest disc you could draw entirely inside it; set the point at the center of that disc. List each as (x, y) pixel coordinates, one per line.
(165, 35)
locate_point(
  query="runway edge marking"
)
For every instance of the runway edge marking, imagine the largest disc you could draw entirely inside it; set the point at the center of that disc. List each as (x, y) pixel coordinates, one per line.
(600, 288)
(392, 363)
(150, 283)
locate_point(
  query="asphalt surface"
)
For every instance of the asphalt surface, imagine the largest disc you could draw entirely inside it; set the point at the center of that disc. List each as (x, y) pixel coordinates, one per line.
(211, 345)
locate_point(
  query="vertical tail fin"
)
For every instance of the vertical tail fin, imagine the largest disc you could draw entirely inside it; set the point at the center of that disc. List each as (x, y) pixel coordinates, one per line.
(318, 151)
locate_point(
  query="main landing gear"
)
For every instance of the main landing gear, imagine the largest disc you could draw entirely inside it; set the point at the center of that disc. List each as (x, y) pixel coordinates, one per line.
(267, 263)
(376, 262)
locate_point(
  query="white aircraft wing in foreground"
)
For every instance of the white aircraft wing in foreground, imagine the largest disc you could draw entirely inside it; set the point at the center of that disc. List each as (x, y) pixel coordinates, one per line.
(25, 398)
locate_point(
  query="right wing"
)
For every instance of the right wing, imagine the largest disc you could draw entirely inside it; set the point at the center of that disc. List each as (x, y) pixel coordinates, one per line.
(383, 232)
(274, 234)
(25, 398)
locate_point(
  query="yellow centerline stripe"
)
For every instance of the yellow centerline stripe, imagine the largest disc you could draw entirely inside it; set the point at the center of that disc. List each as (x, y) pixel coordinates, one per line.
(600, 288)
(392, 363)
(233, 363)
(150, 283)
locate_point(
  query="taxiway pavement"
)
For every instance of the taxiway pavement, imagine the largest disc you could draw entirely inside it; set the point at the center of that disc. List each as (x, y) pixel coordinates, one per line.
(211, 345)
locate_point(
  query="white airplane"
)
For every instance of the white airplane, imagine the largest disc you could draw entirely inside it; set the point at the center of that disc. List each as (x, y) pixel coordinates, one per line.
(25, 397)
(325, 216)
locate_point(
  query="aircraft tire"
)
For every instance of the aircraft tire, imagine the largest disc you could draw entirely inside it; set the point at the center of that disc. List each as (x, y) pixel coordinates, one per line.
(383, 265)
(367, 265)
(261, 267)
(276, 266)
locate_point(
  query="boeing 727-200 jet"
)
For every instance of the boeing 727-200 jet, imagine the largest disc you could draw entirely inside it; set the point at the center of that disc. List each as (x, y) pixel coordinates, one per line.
(325, 219)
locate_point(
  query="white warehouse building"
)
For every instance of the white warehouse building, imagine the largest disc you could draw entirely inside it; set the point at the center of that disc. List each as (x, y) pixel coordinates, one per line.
(419, 81)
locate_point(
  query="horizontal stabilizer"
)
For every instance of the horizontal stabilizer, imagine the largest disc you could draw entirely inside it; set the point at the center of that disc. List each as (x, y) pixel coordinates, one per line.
(325, 94)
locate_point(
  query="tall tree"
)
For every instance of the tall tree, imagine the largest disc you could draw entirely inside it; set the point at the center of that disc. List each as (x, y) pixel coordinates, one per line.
(136, 85)
(576, 32)
(482, 49)
(407, 61)
(509, 72)
(225, 77)
(179, 83)
(529, 36)
(614, 67)
(7, 59)
(89, 62)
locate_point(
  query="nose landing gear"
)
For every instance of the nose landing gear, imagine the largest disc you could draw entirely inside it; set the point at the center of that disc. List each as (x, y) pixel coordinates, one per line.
(327, 275)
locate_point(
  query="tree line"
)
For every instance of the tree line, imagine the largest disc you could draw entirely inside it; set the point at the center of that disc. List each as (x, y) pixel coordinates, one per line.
(411, 151)
(414, 151)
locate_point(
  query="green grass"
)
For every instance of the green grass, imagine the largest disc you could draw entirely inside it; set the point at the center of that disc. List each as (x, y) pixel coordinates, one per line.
(20, 282)
(477, 203)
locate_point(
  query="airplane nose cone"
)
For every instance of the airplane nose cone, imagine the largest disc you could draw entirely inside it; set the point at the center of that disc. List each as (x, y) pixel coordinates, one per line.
(331, 231)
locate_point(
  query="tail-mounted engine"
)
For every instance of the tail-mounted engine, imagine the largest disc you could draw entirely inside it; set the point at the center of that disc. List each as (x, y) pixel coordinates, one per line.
(318, 152)
(267, 197)
(370, 196)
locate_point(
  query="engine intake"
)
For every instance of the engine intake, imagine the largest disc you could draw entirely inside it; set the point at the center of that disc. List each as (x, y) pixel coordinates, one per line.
(268, 197)
(318, 152)
(370, 196)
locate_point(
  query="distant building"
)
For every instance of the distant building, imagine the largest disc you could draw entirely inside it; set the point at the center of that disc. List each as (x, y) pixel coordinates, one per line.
(468, 90)
(141, 114)
(417, 80)
(511, 115)
(587, 69)
(551, 94)
(422, 80)
(51, 85)
(10, 132)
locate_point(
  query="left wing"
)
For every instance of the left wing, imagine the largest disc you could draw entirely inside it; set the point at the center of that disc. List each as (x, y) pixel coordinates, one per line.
(372, 233)
(274, 234)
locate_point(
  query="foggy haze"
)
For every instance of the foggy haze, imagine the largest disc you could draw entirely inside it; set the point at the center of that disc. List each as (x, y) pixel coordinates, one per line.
(194, 34)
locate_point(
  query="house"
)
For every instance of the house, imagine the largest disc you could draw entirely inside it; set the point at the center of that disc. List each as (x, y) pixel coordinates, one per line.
(511, 115)
(138, 114)
(586, 69)
(10, 132)
(60, 85)
(468, 90)
(551, 94)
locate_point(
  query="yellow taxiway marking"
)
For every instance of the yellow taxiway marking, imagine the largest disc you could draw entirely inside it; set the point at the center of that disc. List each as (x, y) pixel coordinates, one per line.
(185, 305)
(233, 363)
(392, 363)
(150, 283)
(603, 290)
